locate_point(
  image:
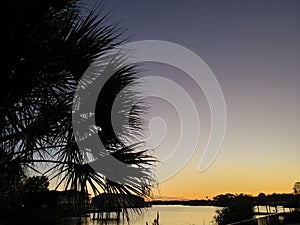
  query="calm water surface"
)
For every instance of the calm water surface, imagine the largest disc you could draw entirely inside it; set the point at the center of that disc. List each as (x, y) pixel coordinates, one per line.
(179, 215)
(168, 215)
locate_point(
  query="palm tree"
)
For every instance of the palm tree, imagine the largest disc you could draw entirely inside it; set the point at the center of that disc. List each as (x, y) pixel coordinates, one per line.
(51, 43)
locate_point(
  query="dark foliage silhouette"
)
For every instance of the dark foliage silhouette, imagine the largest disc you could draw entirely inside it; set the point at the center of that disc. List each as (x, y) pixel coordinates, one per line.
(237, 211)
(36, 184)
(51, 43)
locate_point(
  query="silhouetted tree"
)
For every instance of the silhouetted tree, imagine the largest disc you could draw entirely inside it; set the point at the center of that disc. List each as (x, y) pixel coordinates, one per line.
(51, 43)
(224, 199)
(261, 195)
(36, 184)
(239, 210)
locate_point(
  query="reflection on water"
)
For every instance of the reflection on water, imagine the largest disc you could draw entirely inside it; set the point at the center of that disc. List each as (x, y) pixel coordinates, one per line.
(168, 215)
(271, 209)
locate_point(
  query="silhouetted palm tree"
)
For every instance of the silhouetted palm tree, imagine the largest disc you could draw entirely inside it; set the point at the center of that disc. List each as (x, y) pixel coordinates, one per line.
(51, 43)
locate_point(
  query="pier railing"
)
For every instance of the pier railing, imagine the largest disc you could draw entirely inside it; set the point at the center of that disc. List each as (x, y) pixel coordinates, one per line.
(271, 219)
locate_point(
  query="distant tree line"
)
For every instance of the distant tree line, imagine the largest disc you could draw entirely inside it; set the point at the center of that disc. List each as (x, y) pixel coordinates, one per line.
(224, 200)
(240, 207)
(287, 200)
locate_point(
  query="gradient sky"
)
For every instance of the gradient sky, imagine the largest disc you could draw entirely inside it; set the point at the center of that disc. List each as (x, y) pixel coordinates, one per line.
(253, 48)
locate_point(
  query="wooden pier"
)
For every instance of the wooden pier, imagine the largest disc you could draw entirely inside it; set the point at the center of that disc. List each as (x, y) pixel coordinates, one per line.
(105, 214)
(273, 219)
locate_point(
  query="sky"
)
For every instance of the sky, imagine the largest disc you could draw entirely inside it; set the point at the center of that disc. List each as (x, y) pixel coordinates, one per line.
(253, 49)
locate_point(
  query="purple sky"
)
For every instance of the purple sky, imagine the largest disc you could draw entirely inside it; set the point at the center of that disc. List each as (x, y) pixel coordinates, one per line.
(253, 48)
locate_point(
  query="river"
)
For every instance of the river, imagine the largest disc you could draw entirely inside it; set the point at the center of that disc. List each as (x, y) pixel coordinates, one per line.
(168, 215)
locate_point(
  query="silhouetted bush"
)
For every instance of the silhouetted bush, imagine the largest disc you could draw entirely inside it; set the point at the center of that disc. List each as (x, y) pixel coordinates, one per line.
(237, 211)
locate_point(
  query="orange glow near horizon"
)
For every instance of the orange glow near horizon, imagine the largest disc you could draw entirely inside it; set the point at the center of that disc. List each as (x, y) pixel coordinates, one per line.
(256, 62)
(238, 172)
(232, 175)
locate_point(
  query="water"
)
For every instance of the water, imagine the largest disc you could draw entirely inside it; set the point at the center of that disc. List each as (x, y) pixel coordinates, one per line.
(270, 209)
(168, 215)
(179, 215)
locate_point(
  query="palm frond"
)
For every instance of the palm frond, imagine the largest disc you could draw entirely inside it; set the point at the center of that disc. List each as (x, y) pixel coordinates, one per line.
(53, 44)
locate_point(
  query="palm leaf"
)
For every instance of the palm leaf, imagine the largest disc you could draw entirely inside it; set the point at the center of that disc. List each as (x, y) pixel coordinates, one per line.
(53, 43)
